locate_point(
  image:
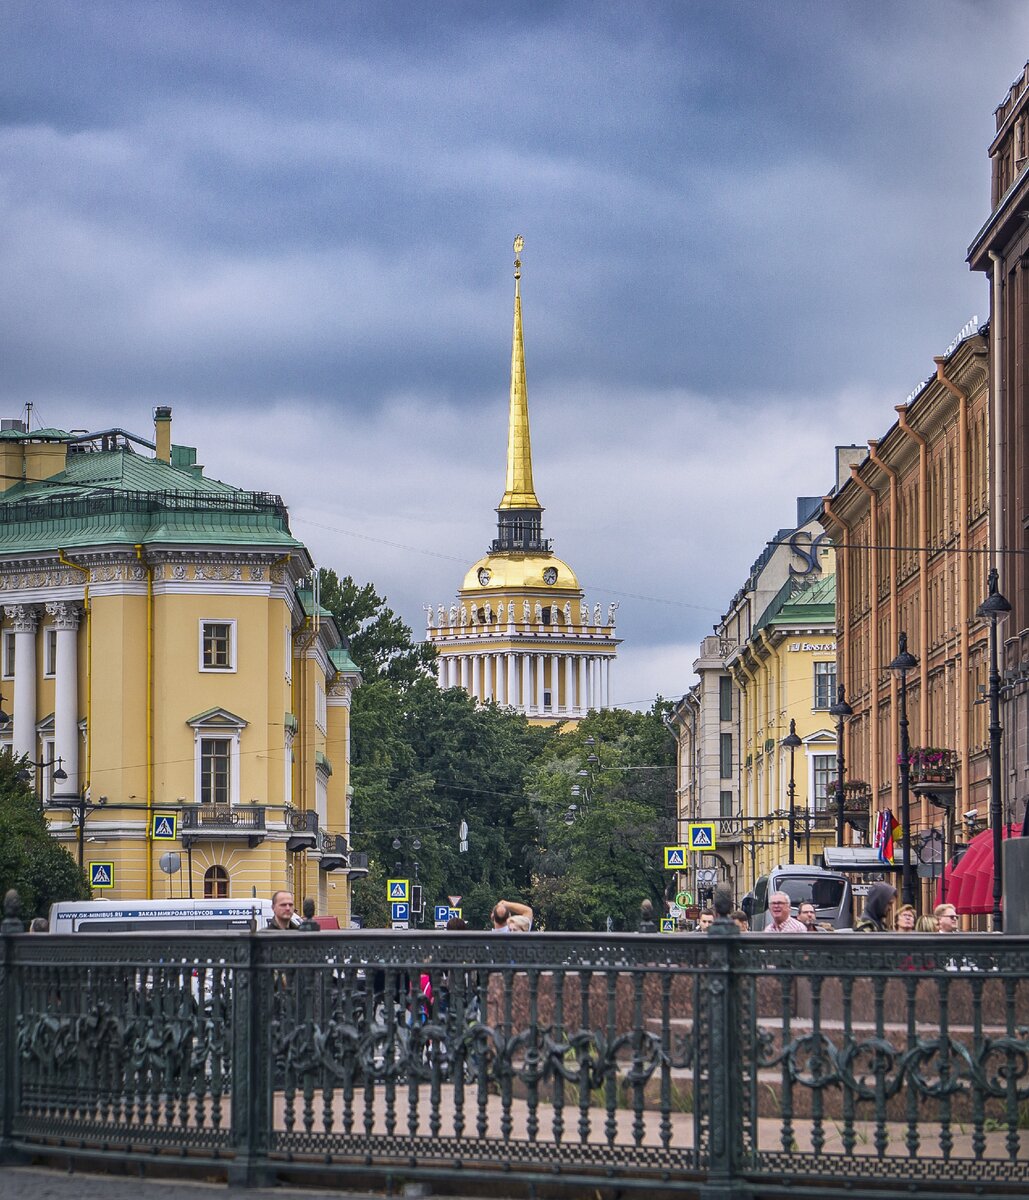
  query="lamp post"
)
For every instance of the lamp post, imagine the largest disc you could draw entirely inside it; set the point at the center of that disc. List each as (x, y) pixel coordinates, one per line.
(995, 608)
(791, 742)
(904, 662)
(59, 776)
(840, 712)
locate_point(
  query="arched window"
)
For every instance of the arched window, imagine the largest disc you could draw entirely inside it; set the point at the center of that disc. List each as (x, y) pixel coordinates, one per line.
(216, 883)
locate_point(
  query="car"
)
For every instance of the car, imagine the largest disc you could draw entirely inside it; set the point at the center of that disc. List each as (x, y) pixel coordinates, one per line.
(829, 891)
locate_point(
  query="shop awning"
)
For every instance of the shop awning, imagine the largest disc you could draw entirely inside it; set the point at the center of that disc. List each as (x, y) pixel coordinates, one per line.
(969, 884)
(856, 858)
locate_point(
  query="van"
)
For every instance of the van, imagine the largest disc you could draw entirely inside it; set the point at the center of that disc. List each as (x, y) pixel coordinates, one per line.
(153, 916)
(829, 891)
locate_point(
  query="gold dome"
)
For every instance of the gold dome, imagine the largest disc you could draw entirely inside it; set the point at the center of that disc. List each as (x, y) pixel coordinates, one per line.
(509, 571)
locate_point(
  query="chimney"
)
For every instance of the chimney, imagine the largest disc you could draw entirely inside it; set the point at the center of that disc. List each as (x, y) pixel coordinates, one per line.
(162, 433)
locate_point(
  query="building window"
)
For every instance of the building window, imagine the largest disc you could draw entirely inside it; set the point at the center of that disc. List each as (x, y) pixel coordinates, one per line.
(320, 713)
(8, 654)
(724, 698)
(289, 654)
(825, 684)
(725, 756)
(216, 883)
(215, 770)
(725, 804)
(217, 645)
(49, 653)
(824, 774)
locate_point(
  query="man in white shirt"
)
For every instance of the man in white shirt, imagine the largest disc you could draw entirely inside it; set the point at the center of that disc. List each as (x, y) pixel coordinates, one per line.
(782, 922)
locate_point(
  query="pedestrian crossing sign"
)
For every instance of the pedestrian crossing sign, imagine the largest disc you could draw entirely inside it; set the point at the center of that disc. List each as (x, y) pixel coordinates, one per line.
(702, 835)
(163, 828)
(675, 858)
(101, 874)
(668, 924)
(398, 889)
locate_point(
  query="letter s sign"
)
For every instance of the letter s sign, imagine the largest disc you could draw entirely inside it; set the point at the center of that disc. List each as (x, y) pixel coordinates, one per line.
(807, 555)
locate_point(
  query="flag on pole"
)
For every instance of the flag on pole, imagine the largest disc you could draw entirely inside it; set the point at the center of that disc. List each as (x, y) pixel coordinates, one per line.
(886, 826)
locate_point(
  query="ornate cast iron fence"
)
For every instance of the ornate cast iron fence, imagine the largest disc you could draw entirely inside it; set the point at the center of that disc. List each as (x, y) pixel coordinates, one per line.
(725, 1064)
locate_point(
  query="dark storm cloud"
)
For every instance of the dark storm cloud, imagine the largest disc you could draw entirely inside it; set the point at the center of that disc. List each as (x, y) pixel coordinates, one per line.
(745, 228)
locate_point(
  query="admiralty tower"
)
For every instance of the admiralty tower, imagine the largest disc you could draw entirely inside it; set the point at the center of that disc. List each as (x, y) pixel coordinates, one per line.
(520, 632)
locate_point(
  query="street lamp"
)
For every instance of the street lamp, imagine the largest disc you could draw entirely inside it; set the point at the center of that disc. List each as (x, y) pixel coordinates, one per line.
(792, 742)
(904, 662)
(995, 608)
(840, 712)
(59, 776)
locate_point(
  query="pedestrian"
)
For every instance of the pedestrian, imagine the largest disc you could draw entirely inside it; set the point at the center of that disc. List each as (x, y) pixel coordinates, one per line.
(927, 924)
(741, 919)
(309, 924)
(647, 923)
(39, 925)
(707, 919)
(946, 918)
(807, 916)
(282, 911)
(519, 923)
(904, 922)
(875, 918)
(457, 923)
(782, 922)
(503, 910)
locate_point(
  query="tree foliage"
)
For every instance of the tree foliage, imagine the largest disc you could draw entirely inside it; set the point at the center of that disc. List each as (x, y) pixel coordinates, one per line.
(423, 760)
(31, 861)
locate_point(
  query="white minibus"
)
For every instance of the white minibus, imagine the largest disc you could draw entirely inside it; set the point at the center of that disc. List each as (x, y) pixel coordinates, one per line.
(152, 916)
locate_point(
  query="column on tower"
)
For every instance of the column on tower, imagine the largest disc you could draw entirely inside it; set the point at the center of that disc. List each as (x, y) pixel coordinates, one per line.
(541, 683)
(566, 672)
(487, 677)
(512, 680)
(466, 682)
(24, 621)
(66, 697)
(555, 684)
(607, 683)
(580, 685)
(477, 676)
(454, 666)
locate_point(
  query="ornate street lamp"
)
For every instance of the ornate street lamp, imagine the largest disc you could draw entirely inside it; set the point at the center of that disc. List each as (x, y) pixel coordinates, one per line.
(791, 742)
(840, 712)
(59, 776)
(995, 608)
(904, 662)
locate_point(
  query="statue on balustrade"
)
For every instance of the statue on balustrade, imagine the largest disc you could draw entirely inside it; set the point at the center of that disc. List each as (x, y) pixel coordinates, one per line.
(464, 615)
(525, 612)
(510, 612)
(428, 616)
(568, 613)
(487, 613)
(555, 616)
(612, 608)
(537, 612)
(584, 613)
(453, 615)
(596, 614)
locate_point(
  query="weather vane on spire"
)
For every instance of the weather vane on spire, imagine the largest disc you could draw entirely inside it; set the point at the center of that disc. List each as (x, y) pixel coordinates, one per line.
(519, 243)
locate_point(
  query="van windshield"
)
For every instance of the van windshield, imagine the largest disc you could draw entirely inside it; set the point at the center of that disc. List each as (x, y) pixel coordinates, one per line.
(823, 893)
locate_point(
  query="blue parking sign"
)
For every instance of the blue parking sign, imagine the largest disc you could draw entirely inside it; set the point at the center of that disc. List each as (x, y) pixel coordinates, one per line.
(442, 912)
(401, 912)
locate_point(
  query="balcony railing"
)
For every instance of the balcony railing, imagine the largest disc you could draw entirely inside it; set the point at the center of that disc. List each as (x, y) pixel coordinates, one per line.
(201, 822)
(303, 830)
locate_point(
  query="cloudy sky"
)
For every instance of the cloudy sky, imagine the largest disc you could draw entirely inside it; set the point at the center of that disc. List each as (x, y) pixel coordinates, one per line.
(745, 226)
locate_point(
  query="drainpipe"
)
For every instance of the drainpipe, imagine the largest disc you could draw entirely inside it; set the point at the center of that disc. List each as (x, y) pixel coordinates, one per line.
(141, 556)
(998, 430)
(964, 615)
(63, 559)
(891, 474)
(923, 574)
(873, 640)
(842, 576)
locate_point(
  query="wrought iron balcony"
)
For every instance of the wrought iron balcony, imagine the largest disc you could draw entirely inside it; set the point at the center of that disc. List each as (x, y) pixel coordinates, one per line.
(303, 830)
(220, 822)
(334, 850)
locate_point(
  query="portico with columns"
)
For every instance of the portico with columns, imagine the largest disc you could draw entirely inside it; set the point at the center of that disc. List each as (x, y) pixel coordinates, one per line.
(520, 633)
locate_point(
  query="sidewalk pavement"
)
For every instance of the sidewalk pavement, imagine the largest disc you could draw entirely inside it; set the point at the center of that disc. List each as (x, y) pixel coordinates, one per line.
(42, 1183)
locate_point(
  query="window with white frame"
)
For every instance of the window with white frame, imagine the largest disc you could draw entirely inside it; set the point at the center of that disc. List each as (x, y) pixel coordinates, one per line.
(825, 684)
(8, 654)
(288, 653)
(824, 766)
(217, 645)
(217, 735)
(49, 653)
(320, 714)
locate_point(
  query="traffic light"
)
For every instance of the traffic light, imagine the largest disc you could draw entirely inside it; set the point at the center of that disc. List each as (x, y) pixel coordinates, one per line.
(416, 898)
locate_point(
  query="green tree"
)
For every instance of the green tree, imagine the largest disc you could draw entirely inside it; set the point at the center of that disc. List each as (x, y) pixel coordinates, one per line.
(31, 861)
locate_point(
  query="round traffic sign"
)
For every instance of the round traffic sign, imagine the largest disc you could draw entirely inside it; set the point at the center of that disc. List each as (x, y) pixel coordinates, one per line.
(684, 898)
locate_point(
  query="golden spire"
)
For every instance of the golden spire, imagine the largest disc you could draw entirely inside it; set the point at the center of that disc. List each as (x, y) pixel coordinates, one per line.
(519, 492)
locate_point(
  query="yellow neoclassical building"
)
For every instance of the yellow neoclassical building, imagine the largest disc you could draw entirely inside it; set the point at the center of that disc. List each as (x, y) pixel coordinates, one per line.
(520, 632)
(182, 697)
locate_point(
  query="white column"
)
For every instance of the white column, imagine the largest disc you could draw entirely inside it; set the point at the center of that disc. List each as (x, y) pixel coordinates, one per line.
(477, 676)
(465, 681)
(487, 676)
(442, 668)
(512, 679)
(66, 695)
(454, 678)
(580, 685)
(541, 683)
(24, 621)
(555, 684)
(566, 671)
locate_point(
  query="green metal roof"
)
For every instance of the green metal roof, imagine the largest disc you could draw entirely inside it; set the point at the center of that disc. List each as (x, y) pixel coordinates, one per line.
(121, 497)
(341, 660)
(807, 603)
(36, 435)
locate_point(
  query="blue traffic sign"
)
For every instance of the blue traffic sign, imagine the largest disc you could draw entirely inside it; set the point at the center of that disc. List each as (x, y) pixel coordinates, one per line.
(101, 874)
(163, 828)
(702, 835)
(401, 912)
(442, 912)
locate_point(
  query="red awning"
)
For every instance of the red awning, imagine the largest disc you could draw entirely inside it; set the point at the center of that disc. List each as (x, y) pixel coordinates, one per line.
(969, 885)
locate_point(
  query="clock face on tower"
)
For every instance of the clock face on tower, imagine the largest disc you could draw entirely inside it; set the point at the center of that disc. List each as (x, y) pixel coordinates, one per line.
(550, 575)
(484, 575)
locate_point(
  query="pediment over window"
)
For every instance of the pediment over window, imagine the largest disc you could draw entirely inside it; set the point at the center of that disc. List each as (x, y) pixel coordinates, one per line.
(217, 718)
